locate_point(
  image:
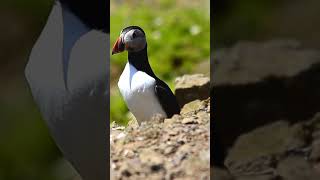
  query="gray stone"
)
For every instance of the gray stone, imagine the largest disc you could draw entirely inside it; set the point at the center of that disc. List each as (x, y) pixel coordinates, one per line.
(238, 64)
(256, 151)
(257, 177)
(192, 87)
(220, 174)
(192, 107)
(296, 168)
(315, 152)
(189, 120)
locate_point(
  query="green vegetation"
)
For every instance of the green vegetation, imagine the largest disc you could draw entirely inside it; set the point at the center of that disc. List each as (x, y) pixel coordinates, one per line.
(27, 150)
(178, 38)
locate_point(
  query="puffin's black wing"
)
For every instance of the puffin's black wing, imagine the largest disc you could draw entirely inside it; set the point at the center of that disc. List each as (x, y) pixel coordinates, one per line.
(166, 98)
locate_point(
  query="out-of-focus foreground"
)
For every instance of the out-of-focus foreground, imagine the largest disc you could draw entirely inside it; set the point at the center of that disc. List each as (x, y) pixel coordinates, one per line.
(26, 148)
(266, 64)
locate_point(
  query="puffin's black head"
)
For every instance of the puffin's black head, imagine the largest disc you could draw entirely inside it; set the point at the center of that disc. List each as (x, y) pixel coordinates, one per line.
(132, 39)
(94, 14)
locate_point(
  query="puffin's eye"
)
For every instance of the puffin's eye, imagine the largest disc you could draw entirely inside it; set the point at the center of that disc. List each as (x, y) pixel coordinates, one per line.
(134, 35)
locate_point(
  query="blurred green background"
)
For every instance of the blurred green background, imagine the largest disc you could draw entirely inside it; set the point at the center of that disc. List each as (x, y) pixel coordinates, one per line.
(27, 151)
(178, 37)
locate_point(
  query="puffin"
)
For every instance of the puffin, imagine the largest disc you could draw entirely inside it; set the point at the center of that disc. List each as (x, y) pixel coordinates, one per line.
(144, 93)
(68, 76)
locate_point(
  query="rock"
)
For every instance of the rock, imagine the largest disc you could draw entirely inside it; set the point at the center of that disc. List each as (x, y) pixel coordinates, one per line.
(203, 117)
(196, 167)
(268, 112)
(257, 177)
(174, 119)
(221, 174)
(238, 64)
(192, 87)
(258, 83)
(252, 167)
(189, 120)
(316, 167)
(128, 153)
(192, 107)
(204, 155)
(315, 152)
(158, 118)
(171, 148)
(256, 152)
(151, 157)
(277, 151)
(314, 124)
(296, 168)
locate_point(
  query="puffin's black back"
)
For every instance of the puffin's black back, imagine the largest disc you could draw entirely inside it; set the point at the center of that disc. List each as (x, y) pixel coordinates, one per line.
(166, 98)
(94, 13)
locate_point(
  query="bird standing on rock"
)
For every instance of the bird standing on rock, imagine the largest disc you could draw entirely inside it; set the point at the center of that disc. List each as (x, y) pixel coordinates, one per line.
(144, 93)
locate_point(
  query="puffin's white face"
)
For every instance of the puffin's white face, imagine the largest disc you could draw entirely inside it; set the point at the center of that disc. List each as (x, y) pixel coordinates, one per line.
(132, 40)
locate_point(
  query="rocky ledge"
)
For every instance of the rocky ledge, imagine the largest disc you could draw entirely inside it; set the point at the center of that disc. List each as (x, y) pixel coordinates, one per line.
(267, 115)
(173, 148)
(276, 151)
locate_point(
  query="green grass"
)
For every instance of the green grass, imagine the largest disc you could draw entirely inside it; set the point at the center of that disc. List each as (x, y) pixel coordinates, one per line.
(178, 38)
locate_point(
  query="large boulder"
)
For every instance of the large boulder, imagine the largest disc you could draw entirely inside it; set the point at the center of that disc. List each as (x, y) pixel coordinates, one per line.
(277, 151)
(258, 83)
(192, 87)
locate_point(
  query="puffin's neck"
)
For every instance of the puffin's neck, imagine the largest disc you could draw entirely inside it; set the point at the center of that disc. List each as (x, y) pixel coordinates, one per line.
(140, 61)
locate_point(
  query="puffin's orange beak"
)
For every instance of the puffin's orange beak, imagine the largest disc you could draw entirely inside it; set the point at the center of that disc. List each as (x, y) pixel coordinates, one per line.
(118, 46)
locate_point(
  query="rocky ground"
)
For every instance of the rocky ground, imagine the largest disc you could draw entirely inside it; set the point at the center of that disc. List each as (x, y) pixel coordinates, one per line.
(275, 151)
(175, 148)
(267, 98)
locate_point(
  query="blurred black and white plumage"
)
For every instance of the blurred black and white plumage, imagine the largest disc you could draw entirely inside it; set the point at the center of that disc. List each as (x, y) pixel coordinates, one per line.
(68, 75)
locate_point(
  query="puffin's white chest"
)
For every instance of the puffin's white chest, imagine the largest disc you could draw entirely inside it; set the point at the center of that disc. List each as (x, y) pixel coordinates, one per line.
(137, 89)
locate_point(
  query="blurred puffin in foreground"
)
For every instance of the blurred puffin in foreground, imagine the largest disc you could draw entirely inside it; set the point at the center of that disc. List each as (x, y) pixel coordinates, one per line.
(67, 73)
(144, 93)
